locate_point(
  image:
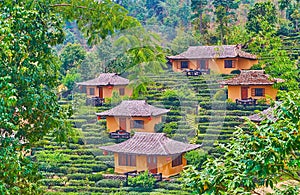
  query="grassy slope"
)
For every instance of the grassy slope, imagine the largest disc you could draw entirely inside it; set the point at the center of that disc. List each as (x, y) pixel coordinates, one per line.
(76, 168)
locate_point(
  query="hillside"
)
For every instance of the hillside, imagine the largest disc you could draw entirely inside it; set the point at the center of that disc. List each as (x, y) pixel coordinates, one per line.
(82, 168)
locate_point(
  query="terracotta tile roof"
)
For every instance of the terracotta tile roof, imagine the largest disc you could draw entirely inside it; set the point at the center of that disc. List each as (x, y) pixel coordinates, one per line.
(268, 113)
(150, 144)
(134, 108)
(251, 77)
(212, 52)
(106, 79)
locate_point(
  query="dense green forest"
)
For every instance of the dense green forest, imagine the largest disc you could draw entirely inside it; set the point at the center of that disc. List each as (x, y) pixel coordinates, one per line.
(49, 45)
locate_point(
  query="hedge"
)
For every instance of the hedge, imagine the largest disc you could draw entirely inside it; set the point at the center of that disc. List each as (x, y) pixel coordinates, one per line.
(53, 182)
(169, 186)
(109, 183)
(81, 183)
(94, 167)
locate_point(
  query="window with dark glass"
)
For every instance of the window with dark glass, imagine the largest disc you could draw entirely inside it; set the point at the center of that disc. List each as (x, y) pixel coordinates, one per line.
(92, 91)
(137, 124)
(258, 92)
(229, 64)
(177, 160)
(122, 91)
(184, 64)
(127, 160)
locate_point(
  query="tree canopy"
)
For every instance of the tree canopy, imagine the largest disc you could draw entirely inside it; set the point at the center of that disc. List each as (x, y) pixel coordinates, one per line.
(256, 156)
(30, 72)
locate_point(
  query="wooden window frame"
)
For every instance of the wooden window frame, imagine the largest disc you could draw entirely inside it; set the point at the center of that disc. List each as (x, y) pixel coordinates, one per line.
(122, 91)
(230, 65)
(256, 93)
(127, 160)
(183, 62)
(177, 160)
(91, 91)
(134, 124)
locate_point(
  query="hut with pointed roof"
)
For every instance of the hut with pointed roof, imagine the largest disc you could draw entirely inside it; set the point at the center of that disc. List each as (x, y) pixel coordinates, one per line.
(254, 84)
(133, 114)
(150, 151)
(104, 85)
(221, 59)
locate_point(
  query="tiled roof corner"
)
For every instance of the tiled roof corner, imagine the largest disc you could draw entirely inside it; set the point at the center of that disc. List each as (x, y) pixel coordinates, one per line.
(212, 52)
(150, 144)
(106, 79)
(251, 77)
(134, 108)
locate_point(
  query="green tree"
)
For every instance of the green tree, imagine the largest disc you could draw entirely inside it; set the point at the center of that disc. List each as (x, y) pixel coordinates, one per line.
(71, 57)
(198, 8)
(259, 13)
(269, 47)
(257, 156)
(225, 15)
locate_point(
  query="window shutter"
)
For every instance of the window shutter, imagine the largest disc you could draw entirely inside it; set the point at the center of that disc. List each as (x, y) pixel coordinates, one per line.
(131, 124)
(253, 92)
(233, 63)
(263, 92)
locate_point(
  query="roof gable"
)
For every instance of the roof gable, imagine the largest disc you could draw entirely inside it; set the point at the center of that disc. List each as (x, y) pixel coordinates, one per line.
(212, 52)
(106, 79)
(150, 144)
(251, 77)
(133, 108)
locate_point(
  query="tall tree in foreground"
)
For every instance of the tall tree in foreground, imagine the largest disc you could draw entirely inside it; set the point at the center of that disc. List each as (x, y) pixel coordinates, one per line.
(29, 76)
(258, 156)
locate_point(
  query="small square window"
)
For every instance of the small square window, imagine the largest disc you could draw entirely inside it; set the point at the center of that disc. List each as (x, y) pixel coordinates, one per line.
(229, 64)
(259, 92)
(176, 160)
(184, 64)
(122, 91)
(92, 91)
(127, 160)
(137, 124)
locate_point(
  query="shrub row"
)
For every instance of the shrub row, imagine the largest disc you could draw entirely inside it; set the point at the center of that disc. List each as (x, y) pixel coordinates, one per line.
(81, 183)
(79, 189)
(208, 118)
(109, 183)
(53, 182)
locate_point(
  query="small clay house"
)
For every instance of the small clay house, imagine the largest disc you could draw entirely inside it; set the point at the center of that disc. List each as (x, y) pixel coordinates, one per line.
(251, 84)
(150, 151)
(133, 114)
(104, 85)
(221, 59)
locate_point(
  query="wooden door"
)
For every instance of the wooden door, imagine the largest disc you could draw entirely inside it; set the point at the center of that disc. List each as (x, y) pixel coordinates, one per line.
(122, 124)
(152, 164)
(100, 92)
(244, 93)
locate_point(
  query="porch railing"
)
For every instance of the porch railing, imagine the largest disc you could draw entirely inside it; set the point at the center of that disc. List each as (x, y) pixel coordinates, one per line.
(94, 101)
(197, 72)
(246, 102)
(119, 134)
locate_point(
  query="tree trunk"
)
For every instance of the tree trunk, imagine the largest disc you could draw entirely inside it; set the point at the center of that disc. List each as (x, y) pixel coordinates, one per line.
(201, 23)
